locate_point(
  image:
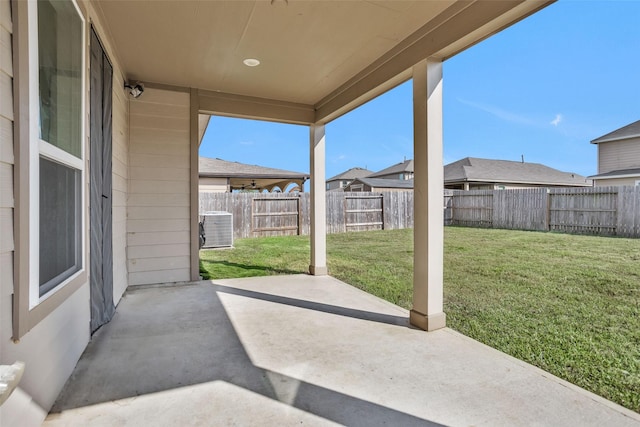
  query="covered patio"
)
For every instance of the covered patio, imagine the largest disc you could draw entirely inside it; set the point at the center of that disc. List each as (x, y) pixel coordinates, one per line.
(178, 351)
(300, 349)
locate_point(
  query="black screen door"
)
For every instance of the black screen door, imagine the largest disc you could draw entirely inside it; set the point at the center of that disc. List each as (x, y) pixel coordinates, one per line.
(101, 240)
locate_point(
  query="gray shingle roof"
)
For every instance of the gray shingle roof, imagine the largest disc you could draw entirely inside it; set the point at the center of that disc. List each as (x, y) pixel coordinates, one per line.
(214, 168)
(471, 169)
(618, 173)
(629, 131)
(406, 166)
(385, 183)
(352, 173)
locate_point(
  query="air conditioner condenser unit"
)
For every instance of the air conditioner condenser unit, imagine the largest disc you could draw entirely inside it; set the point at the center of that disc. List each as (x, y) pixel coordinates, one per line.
(218, 229)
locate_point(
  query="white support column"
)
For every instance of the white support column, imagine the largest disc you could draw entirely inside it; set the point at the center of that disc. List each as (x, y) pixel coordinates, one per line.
(427, 312)
(318, 266)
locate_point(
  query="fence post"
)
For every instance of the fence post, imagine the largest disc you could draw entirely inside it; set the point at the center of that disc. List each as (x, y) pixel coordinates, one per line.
(299, 205)
(548, 210)
(382, 209)
(344, 211)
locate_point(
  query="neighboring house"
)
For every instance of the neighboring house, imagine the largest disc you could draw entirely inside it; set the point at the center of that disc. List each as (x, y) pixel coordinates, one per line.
(379, 184)
(472, 173)
(343, 179)
(402, 171)
(619, 157)
(221, 176)
(99, 175)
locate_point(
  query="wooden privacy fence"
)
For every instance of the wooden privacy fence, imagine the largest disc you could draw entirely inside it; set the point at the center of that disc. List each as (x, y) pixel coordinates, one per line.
(607, 211)
(277, 214)
(363, 212)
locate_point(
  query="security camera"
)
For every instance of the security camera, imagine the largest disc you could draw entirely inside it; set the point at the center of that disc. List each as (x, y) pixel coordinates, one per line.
(135, 90)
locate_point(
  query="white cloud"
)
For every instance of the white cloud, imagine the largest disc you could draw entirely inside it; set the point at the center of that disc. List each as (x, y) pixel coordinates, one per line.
(338, 159)
(246, 142)
(499, 112)
(557, 120)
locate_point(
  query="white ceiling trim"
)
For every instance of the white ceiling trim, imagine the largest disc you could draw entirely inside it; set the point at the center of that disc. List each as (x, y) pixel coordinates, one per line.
(226, 104)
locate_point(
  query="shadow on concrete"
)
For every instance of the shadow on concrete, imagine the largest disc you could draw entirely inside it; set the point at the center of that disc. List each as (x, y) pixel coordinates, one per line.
(325, 308)
(162, 338)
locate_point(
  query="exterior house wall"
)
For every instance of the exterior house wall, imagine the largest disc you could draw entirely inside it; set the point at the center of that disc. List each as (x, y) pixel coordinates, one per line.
(481, 187)
(616, 181)
(337, 184)
(397, 175)
(616, 155)
(363, 188)
(52, 347)
(393, 190)
(7, 161)
(213, 185)
(6, 168)
(158, 226)
(510, 186)
(120, 190)
(357, 188)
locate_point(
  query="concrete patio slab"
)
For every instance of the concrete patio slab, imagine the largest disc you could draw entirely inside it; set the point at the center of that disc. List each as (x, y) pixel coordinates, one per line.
(285, 350)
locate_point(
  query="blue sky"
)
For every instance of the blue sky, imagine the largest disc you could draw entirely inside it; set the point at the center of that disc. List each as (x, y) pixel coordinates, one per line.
(542, 88)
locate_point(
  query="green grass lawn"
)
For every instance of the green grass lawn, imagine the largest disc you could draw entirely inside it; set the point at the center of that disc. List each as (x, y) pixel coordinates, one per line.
(567, 304)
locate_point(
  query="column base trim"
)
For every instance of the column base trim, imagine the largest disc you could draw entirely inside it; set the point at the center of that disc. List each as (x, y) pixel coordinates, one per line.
(318, 271)
(428, 323)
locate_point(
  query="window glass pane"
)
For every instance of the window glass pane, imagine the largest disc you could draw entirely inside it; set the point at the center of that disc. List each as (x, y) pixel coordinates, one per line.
(60, 238)
(60, 71)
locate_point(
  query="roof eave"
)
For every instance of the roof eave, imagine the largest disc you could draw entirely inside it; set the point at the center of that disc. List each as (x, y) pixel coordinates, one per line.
(249, 175)
(620, 138)
(628, 175)
(504, 181)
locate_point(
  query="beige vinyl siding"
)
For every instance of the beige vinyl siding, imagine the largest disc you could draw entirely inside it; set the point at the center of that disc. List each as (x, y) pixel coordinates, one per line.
(53, 346)
(158, 226)
(376, 189)
(213, 185)
(481, 187)
(508, 186)
(334, 185)
(6, 176)
(120, 175)
(616, 181)
(618, 155)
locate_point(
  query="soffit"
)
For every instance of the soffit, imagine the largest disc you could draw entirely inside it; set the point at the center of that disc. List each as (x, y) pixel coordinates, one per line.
(306, 48)
(319, 59)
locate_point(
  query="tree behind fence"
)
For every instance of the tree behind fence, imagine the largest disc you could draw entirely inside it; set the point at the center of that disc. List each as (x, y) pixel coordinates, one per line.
(608, 211)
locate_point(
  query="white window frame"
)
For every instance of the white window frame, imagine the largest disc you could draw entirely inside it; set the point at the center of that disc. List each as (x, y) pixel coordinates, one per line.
(40, 148)
(637, 182)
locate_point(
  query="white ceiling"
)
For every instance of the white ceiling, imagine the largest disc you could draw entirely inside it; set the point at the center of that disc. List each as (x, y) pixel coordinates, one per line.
(308, 50)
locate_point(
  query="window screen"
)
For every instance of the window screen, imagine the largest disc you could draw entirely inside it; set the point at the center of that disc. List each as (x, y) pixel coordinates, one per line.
(60, 239)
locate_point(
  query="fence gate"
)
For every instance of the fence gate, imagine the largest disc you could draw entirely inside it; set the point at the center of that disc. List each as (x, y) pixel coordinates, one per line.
(584, 211)
(472, 209)
(275, 216)
(363, 212)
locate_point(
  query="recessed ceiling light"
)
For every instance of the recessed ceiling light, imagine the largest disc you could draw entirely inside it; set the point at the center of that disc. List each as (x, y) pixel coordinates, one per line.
(251, 62)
